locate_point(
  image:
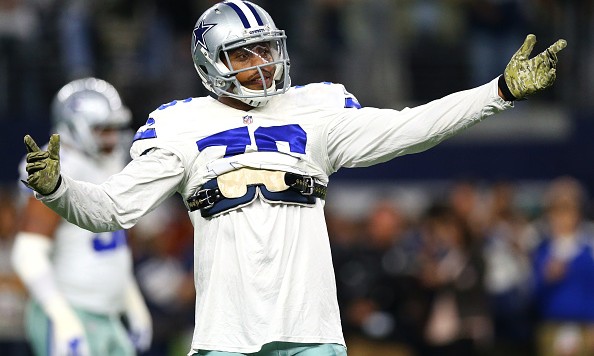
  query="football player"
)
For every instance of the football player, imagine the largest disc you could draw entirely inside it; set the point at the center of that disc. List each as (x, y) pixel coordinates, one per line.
(82, 281)
(252, 163)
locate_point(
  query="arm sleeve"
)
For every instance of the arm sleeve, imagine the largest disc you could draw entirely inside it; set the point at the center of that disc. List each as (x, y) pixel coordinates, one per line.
(30, 259)
(124, 198)
(368, 136)
(139, 317)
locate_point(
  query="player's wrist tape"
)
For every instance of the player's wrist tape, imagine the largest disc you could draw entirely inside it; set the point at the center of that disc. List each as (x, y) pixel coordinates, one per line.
(507, 95)
(57, 185)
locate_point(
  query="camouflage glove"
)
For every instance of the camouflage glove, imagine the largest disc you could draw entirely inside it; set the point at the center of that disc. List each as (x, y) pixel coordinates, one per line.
(524, 76)
(43, 167)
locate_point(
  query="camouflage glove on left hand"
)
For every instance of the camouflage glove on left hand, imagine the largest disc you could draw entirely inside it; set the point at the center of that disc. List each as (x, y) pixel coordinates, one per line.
(43, 167)
(524, 76)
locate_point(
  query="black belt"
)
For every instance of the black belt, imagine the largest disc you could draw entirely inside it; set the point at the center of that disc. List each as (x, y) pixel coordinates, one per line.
(302, 190)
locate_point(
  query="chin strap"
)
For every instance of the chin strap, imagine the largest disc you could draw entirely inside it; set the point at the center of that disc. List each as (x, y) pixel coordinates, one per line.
(257, 97)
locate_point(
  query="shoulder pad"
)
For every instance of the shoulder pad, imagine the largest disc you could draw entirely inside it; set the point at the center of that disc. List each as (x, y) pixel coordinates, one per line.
(327, 94)
(163, 126)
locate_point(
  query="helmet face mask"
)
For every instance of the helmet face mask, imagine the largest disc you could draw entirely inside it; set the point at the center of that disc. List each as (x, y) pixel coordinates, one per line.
(84, 111)
(231, 26)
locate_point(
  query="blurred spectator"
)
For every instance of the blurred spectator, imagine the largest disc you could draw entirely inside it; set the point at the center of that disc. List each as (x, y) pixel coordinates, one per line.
(159, 59)
(100, 38)
(373, 39)
(466, 201)
(453, 272)
(316, 33)
(495, 30)
(141, 46)
(20, 49)
(508, 241)
(434, 55)
(376, 285)
(575, 21)
(77, 39)
(563, 270)
(13, 295)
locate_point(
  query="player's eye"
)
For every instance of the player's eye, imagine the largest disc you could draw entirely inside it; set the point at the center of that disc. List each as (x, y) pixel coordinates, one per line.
(240, 55)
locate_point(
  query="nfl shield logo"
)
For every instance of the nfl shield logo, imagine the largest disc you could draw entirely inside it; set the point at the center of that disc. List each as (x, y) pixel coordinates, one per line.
(248, 119)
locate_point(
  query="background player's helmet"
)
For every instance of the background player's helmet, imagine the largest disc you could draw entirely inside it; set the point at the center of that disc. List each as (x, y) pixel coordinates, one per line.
(84, 106)
(233, 24)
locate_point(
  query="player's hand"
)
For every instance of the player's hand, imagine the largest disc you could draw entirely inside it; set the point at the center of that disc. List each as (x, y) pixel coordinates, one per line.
(524, 75)
(43, 167)
(140, 323)
(68, 335)
(141, 334)
(140, 327)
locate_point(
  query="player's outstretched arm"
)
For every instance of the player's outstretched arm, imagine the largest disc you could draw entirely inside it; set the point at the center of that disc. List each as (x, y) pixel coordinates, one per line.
(524, 76)
(43, 167)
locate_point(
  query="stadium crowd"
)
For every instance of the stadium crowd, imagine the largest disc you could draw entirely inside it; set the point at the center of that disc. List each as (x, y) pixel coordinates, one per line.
(480, 268)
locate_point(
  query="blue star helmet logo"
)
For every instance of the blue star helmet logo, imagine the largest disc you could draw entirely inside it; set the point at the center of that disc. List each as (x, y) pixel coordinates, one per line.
(199, 32)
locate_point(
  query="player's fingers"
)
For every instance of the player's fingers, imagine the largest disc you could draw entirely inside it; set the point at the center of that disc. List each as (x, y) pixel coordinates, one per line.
(54, 146)
(557, 46)
(36, 156)
(527, 47)
(547, 79)
(30, 144)
(552, 58)
(35, 166)
(552, 76)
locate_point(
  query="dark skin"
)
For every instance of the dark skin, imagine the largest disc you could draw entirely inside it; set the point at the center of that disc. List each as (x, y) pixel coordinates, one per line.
(39, 219)
(248, 57)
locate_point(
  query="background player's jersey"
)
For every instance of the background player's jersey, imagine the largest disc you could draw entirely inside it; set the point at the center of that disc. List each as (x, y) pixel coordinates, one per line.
(91, 269)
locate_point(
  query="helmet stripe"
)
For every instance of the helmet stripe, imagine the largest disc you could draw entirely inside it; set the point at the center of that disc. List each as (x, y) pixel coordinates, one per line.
(247, 18)
(253, 10)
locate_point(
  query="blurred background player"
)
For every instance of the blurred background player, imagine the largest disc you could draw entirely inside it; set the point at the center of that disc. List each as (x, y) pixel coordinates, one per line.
(82, 282)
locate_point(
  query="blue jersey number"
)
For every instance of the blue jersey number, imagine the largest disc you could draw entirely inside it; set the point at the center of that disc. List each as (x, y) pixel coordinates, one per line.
(109, 240)
(266, 138)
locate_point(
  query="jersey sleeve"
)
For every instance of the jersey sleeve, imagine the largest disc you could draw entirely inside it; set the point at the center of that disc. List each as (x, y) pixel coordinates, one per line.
(360, 138)
(124, 198)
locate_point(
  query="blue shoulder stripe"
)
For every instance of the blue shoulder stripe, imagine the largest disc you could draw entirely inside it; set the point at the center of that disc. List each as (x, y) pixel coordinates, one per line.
(146, 131)
(351, 103)
(142, 135)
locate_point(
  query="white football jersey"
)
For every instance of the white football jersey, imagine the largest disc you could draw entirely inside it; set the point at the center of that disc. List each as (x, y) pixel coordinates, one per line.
(91, 269)
(264, 272)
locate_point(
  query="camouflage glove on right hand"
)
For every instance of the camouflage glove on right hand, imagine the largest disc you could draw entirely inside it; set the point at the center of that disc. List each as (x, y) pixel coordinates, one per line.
(43, 167)
(524, 76)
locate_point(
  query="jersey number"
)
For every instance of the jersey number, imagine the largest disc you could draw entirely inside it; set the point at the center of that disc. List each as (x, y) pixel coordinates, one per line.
(109, 240)
(266, 139)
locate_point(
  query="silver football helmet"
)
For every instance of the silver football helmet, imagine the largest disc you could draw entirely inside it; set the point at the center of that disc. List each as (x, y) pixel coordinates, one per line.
(84, 105)
(231, 25)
